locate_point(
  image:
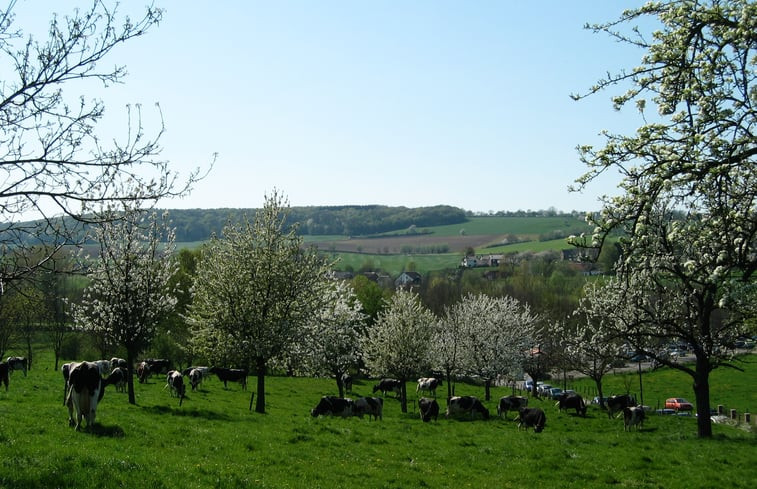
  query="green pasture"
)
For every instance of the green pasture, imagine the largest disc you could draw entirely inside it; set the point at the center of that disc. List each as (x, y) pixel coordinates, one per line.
(530, 226)
(214, 441)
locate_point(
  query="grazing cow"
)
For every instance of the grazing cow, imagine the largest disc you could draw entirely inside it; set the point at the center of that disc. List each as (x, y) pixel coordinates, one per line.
(333, 406)
(466, 404)
(117, 378)
(428, 408)
(175, 382)
(633, 416)
(616, 404)
(510, 403)
(531, 418)
(195, 378)
(103, 366)
(230, 375)
(347, 382)
(571, 401)
(204, 371)
(428, 384)
(85, 390)
(116, 362)
(4, 374)
(388, 385)
(17, 363)
(372, 406)
(143, 371)
(158, 365)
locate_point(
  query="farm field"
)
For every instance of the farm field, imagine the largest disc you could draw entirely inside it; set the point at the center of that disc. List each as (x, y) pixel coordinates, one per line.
(213, 440)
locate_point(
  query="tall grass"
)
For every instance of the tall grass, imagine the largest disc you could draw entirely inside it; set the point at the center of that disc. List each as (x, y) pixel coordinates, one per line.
(213, 440)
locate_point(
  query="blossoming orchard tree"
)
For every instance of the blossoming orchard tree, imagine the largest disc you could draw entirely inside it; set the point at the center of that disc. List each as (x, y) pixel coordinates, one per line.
(55, 167)
(687, 216)
(496, 332)
(398, 344)
(255, 290)
(128, 293)
(333, 336)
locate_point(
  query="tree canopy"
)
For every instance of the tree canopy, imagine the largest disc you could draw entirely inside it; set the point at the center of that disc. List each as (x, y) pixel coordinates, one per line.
(687, 212)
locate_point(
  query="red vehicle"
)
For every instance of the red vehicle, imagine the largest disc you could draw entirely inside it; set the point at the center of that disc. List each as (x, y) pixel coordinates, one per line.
(678, 404)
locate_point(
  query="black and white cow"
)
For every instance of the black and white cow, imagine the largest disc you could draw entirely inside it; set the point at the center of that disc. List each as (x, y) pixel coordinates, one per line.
(230, 375)
(466, 404)
(531, 418)
(175, 382)
(510, 403)
(334, 406)
(633, 417)
(158, 365)
(143, 371)
(85, 390)
(428, 384)
(616, 404)
(116, 362)
(117, 378)
(388, 385)
(372, 406)
(428, 408)
(571, 400)
(17, 363)
(4, 374)
(347, 382)
(65, 370)
(195, 378)
(103, 366)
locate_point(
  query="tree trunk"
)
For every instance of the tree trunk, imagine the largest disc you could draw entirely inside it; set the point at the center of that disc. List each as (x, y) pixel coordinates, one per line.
(260, 369)
(130, 359)
(28, 353)
(487, 389)
(339, 383)
(702, 395)
(598, 383)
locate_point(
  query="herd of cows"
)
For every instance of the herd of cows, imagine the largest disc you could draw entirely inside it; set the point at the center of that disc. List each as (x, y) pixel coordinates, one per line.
(85, 383)
(428, 408)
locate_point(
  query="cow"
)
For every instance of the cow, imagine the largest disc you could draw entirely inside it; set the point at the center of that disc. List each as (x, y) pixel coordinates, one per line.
(230, 375)
(116, 362)
(428, 408)
(195, 378)
(616, 404)
(510, 403)
(531, 418)
(372, 406)
(428, 384)
(65, 370)
(465, 404)
(103, 366)
(571, 400)
(85, 390)
(4, 374)
(143, 371)
(334, 406)
(175, 382)
(347, 382)
(17, 363)
(633, 416)
(204, 371)
(158, 365)
(117, 378)
(388, 385)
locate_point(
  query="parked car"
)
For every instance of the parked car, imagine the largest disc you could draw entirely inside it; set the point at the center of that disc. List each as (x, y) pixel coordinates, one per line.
(554, 392)
(678, 404)
(597, 400)
(543, 389)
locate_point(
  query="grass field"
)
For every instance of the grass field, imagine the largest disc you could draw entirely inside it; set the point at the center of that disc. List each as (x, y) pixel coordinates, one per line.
(213, 440)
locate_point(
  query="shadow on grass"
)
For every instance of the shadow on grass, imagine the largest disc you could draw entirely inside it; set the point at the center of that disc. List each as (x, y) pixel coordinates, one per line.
(194, 413)
(103, 431)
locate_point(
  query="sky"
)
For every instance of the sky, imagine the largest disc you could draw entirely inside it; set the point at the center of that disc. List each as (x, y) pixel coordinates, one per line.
(400, 103)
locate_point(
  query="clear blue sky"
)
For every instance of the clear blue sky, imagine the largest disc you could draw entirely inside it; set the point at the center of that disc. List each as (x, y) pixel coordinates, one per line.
(412, 103)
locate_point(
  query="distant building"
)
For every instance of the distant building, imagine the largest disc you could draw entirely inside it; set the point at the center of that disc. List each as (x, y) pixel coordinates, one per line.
(408, 280)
